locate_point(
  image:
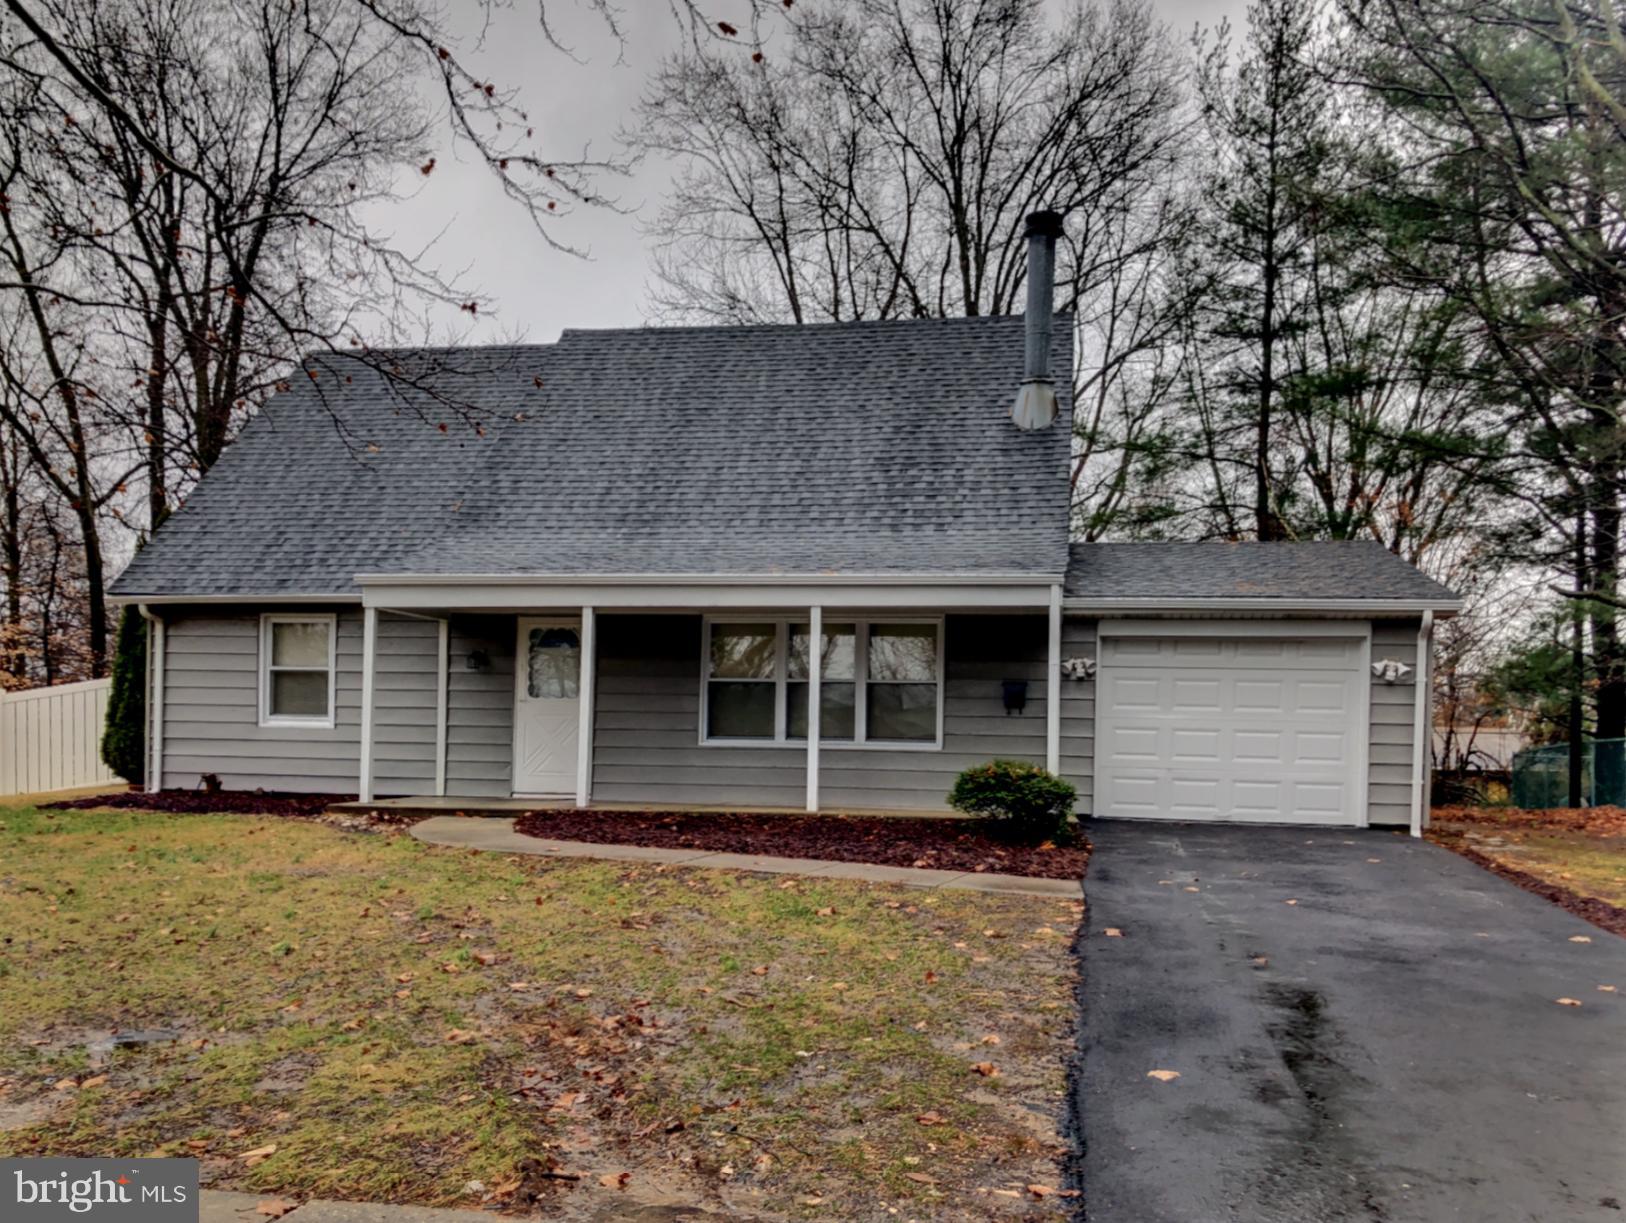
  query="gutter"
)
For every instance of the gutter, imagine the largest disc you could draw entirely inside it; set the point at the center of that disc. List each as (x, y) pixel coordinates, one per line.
(707, 579)
(1421, 730)
(1354, 606)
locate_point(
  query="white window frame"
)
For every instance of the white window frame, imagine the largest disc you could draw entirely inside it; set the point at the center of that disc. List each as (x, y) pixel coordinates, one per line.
(860, 740)
(299, 721)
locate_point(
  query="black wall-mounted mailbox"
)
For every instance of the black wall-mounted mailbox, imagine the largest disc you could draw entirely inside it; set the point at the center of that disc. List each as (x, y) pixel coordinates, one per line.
(1016, 695)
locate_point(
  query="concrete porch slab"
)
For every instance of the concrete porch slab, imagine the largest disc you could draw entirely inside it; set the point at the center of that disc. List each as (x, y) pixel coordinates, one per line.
(497, 835)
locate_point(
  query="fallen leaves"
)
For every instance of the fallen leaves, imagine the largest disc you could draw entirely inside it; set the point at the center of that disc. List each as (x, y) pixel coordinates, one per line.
(920, 1178)
(1580, 938)
(930, 1118)
(258, 1155)
(987, 1069)
(1606, 989)
(275, 1208)
(1113, 932)
(1163, 1076)
(1567, 1001)
(615, 1180)
(1290, 902)
(459, 1036)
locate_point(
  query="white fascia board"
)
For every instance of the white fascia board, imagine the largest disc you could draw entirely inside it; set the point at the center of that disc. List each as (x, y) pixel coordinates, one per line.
(479, 595)
(1280, 607)
(708, 579)
(263, 599)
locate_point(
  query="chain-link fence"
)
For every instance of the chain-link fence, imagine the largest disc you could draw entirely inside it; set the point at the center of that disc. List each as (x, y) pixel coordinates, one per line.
(1541, 775)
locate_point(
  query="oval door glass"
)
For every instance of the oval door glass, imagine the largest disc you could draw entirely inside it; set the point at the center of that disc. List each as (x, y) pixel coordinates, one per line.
(553, 664)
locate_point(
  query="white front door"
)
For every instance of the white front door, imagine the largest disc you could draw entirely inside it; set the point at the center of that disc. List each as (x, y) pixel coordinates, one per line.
(1259, 729)
(547, 705)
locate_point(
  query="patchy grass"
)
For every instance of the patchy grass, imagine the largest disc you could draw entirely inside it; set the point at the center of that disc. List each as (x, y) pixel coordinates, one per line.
(381, 1020)
(1579, 854)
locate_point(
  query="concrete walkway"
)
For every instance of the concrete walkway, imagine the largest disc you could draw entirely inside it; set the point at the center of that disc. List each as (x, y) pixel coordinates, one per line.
(498, 836)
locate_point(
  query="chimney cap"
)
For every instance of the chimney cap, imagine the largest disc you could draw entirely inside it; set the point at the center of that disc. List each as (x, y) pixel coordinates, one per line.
(1044, 224)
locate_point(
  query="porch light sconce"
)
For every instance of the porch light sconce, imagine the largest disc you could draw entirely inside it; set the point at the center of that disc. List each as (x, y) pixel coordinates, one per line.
(1390, 670)
(1016, 695)
(478, 660)
(1078, 668)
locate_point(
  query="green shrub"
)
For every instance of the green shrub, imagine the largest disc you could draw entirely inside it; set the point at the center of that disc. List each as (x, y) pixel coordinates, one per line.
(124, 740)
(1019, 800)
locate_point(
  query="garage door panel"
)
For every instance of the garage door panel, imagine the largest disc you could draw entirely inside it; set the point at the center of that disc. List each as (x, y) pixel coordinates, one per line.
(1194, 746)
(1243, 728)
(1257, 747)
(1258, 696)
(1197, 694)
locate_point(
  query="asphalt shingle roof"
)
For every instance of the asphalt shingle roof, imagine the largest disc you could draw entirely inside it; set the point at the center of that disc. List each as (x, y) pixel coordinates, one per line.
(1322, 569)
(845, 448)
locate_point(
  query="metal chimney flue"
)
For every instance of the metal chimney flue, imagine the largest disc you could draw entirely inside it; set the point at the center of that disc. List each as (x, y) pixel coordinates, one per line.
(1035, 405)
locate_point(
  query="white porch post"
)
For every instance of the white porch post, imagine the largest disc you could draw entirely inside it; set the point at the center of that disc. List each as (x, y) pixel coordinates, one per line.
(444, 653)
(584, 732)
(815, 658)
(369, 651)
(1052, 704)
(155, 701)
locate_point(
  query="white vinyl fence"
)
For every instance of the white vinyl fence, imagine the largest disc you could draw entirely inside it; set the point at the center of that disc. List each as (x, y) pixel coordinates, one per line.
(50, 738)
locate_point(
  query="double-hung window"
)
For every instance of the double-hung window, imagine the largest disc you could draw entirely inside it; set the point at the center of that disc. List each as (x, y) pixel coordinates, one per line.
(297, 669)
(880, 682)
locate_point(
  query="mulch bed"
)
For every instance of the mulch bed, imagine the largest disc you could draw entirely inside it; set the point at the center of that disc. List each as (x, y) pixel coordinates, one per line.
(1594, 821)
(938, 844)
(201, 802)
(1600, 913)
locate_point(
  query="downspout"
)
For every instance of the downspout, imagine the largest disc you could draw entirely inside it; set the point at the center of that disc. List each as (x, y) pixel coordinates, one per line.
(1422, 732)
(1052, 704)
(155, 700)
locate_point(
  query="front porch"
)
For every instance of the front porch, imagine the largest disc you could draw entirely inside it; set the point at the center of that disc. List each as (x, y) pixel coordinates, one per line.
(710, 705)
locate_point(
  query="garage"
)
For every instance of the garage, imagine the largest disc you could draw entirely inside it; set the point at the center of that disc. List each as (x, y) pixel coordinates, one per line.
(1236, 722)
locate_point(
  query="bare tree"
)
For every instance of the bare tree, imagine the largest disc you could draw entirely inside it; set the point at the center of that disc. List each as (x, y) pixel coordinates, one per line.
(877, 160)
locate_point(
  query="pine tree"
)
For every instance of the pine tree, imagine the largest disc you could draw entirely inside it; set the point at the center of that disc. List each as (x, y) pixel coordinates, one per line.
(124, 740)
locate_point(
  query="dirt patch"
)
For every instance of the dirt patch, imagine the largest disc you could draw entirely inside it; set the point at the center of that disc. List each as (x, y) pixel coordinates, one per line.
(937, 844)
(201, 802)
(1600, 913)
(1593, 821)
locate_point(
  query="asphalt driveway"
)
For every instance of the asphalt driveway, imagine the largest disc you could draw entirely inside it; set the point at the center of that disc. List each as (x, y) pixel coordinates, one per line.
(1387, 1048)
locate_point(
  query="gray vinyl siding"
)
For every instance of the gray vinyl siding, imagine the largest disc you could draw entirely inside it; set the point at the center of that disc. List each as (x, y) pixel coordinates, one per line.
(1078, 640)
(647, 723)
(980, 652)
(1394, 715)
(480, 708)
(646, 720)
(407, 655)
(212, 712)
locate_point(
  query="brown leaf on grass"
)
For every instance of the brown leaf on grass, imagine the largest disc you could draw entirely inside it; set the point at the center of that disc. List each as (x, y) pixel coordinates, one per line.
(486, 957)
(584, 992)
(920, 1178)
(989, 1039)
(1567, 1001)
(459, 1036)
(1163, 1076)
(930, 1118)
(275, 1208)
(519, 986)
(259, 1154)
(827, 911)
(761, 970)
(987, 1069)
(615, 1180)
(95, 1080)
(1041, 1191)
(404, 978)
(65, 1085)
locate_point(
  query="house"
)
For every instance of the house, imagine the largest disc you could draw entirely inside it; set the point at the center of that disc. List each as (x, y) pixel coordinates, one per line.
(594, 571)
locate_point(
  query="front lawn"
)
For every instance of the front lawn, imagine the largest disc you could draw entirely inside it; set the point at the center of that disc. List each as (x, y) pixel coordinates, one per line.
(1576, 858)
(355, 1015)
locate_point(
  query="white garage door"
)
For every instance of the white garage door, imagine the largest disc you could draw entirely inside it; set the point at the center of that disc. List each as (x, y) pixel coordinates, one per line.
(1262, 729)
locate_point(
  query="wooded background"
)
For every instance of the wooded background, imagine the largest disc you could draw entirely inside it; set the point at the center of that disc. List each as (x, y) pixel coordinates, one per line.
(1353, 269)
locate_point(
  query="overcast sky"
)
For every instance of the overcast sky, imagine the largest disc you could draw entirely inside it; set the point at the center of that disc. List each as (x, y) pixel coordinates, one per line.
(479, 234)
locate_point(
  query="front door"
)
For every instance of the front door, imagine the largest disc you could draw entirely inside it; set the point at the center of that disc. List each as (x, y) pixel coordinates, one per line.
(547, 705)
